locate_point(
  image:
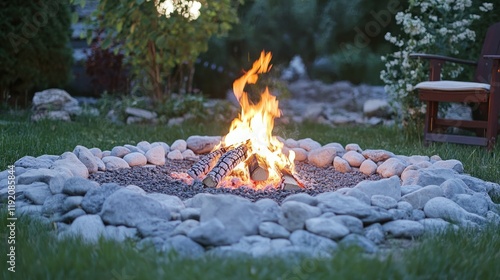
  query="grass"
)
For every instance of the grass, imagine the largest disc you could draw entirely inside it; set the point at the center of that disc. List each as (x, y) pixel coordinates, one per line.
(465, 254)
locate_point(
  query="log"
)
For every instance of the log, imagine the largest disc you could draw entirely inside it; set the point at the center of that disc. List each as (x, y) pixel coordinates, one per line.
(226, 163)
(205, 164)
(290, 182)
(257, 168)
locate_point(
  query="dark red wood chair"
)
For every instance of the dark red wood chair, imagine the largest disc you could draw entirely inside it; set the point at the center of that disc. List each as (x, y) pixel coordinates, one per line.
(483, 93)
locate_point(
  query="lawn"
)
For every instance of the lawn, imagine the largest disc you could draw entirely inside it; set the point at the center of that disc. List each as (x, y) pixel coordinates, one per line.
(465, 254)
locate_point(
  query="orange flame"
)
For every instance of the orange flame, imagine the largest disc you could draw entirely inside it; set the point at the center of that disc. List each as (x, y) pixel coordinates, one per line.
(254, 125)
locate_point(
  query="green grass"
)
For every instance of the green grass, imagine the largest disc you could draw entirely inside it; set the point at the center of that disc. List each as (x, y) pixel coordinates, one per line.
(39, 255)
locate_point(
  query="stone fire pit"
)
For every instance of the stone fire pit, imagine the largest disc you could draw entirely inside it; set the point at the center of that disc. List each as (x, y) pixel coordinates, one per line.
(352, 196)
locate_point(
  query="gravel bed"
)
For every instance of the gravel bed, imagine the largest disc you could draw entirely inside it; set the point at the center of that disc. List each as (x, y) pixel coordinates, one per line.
(162, 179)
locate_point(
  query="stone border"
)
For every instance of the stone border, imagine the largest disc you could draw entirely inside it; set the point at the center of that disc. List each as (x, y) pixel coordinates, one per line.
(417, 194)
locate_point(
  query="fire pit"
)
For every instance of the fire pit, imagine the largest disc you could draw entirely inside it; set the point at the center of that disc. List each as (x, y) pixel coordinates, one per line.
(248, 192)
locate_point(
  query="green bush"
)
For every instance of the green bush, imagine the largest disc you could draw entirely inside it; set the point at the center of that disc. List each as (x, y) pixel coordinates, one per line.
(35, 51)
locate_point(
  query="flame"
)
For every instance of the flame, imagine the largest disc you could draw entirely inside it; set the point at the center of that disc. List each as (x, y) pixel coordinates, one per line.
(253, 127)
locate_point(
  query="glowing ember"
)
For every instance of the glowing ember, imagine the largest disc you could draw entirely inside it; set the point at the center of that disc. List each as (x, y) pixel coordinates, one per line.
(253, 128)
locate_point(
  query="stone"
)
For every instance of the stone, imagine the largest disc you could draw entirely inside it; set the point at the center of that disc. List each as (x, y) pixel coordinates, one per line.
(449, 164)
(188, 154)
(475, 203)
(202, 144)
(308, 144)
(119, 233)
(100, 164)
(78, 186)
(353, 147)
(375, 233)
(135, 159)
(391, 167)
(185, 227)
(302, 197)
(291, 143)
(273, 230)
(155, 227)
(114, 163)
(368, 167)
(302, 238)
(360, 241)
(172, 202)
(361, 196)
(377, 215)
(51, 99)
(36, 175)
(156, 155)
(93, 200)
(135, 189)
(239, 216)
(322, 157)
(96, 152)
(448, 210)
(354, 224)
(389, 187)
(175, 155)
(180, 145)
(269, 209)
(417, 214)
(341, 165)
(38, 194)
(418, 159)
(296, 213)
(377, 108)
(89, 227)
(53, 205)
(165, 146)
(134, 149)
(343, 205)
(190, 213)
(477, 184)
(404, 228)
(142, 146)
(211, 233)
(433, 225)
(383, 201)
(128, 208)
(184, 247)
(354, 158)
(71, 202)
(72, 163)
(141, 113)
(51, 115)
(70, 216)
(300, 154)
(453, 187)
(32, 163)
(327, 228)
(119, 151)
(86, 157)
(377, 155)
(419, 198)
(406, 189)
(338, 147)
(430, 176)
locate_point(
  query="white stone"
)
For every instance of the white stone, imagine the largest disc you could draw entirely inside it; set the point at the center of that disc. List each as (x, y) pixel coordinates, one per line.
(391, 167)
(377, 155)
(114, 163)
(322, 157)
(119, 151)
(175, 155)
(341, 165)
(353, 147)
(202, 144)
(135, 159)
(450, 164)
(70, 161)
(389, 187)
(180, 145)
(300, 154)
(189, 154)
(156, 155)
(86, 157)
(354, 158)
(291, 143)
(308, 144)
(368, 167)
(144, 146)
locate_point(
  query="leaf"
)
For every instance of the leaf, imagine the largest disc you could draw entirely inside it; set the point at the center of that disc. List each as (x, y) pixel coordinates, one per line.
(106, 43)
(119, 26)
(160, 40)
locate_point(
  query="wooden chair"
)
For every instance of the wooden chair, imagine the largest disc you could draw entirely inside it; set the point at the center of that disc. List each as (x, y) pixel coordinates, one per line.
(483, 93)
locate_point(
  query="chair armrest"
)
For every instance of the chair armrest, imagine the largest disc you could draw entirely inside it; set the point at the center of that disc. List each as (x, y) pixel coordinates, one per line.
(443, 58)
(492, 56)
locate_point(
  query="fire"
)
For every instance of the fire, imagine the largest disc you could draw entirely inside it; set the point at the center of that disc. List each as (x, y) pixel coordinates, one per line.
(253, 128)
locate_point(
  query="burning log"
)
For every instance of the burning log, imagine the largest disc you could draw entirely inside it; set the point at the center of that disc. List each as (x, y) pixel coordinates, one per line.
(257, 168)
(226, 163)
(290, 182)
(204, 165)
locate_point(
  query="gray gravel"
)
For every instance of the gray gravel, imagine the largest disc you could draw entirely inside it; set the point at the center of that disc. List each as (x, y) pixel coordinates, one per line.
(157, 179)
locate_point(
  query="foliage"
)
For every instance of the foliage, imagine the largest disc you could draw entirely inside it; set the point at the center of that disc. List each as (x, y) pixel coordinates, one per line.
(180, 105)
(106, 68)
(428, 26)
(35, 52)
(161, 39)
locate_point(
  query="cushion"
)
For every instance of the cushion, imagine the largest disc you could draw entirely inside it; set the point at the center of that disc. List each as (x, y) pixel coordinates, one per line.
(452, 85)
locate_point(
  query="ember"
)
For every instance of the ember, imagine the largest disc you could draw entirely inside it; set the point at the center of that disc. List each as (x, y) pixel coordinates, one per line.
(249, 152)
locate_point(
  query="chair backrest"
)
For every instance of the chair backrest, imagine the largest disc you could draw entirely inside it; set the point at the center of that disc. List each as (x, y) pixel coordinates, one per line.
(491, 45)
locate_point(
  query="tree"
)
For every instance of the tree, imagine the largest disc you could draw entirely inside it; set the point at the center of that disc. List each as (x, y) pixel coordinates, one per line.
(161, 39)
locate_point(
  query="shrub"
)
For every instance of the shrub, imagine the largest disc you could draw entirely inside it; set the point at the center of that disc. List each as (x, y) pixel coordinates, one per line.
(427, 26)
(35, 51)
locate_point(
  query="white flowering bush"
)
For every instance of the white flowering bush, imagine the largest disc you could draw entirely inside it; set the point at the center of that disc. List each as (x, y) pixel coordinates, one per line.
(433, 27)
